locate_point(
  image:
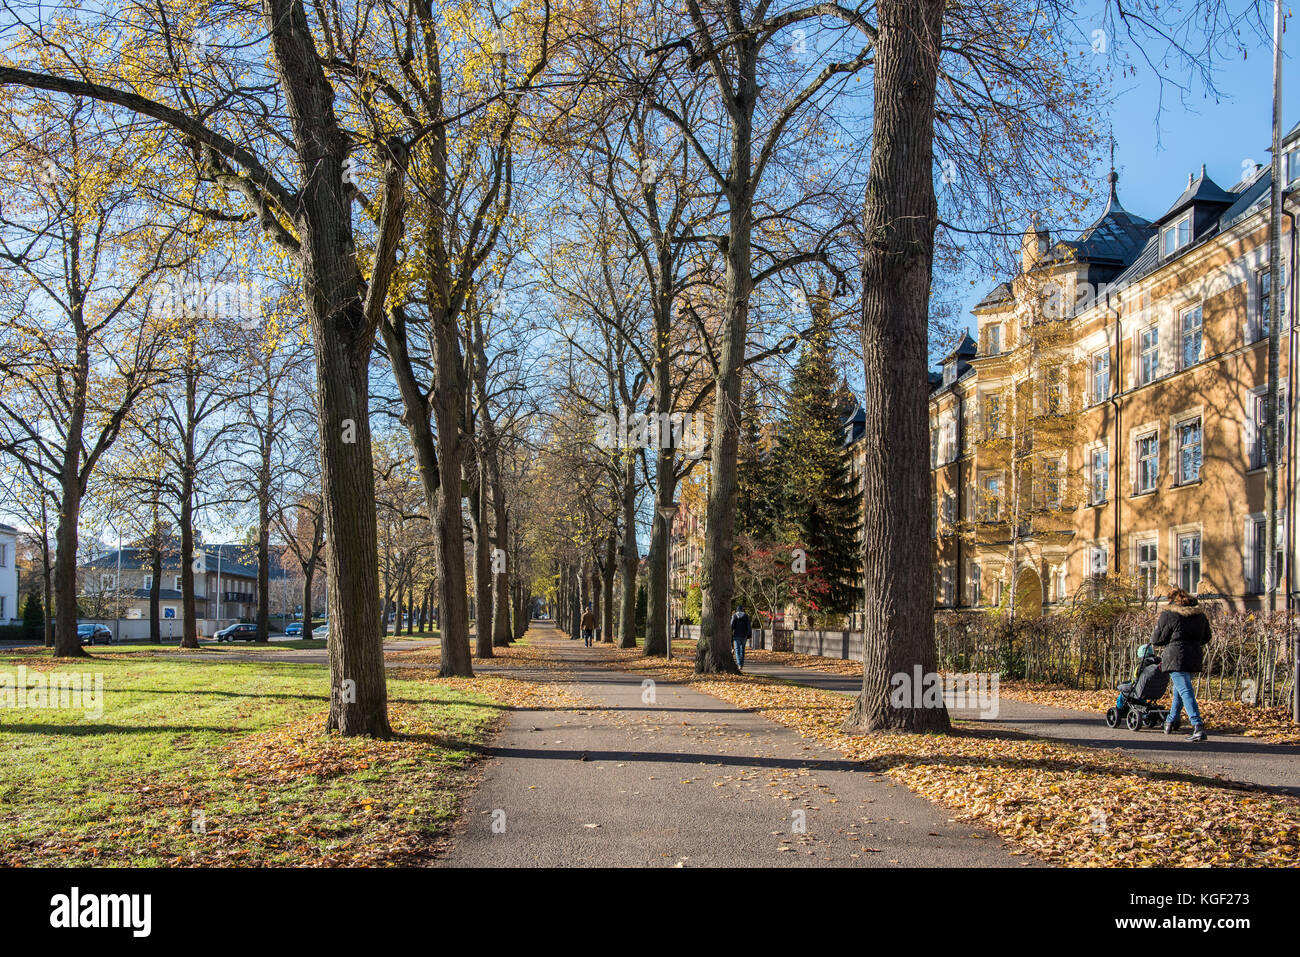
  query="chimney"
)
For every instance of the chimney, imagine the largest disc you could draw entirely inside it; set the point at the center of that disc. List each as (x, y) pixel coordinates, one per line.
(1033, 245)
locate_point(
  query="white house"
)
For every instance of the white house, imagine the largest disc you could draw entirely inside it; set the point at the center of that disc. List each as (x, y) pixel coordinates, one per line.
(9, 608)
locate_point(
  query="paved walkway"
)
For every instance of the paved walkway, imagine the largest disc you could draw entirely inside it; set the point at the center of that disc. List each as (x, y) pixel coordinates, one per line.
(1230, 756)
(688, 780)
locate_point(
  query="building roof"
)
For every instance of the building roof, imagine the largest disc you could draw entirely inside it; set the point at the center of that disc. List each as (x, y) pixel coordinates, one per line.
(964, 349)
(1201, 191)
(999, 293)
(1116, 237)
(1246, 197)
(138, 558)
(8, 529)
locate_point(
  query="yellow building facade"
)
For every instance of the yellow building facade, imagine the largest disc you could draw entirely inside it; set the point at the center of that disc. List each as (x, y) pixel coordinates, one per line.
(1105, 421)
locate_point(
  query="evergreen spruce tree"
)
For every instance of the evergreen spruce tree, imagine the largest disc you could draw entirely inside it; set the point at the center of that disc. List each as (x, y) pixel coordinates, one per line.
(819, 509)
(33, 616)
(758, 501)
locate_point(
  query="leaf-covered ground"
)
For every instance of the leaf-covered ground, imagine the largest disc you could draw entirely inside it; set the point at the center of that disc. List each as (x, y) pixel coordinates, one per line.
(1227, 717)
(224, 763)
(1067, 805)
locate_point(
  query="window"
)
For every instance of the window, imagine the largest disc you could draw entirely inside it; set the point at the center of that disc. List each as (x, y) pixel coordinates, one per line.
(1259, 557)
(1051, 483)
(1191, 328)
(1100, 477)
(178, 582)
(1148, 462)
(934, 447)
(949, 585)
(107, 582)
(992, 497)
(949, 373)
(1101, 375)
(1265, 286)
(934, 516)
(992, 416)
(1062, 591)
(3, 616)
(1175, 236)
(994, 340)
(1189, 451)
(1097, 562)
(950, 507)
(1255, 427)
(1054, 390)
(1189, 562)
(1148, 355)
(148, 582)
(1148, 567)
(973, 583)
(4, 558)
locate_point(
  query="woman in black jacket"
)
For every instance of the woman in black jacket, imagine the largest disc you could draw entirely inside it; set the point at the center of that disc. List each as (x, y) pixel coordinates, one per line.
(1182, 630)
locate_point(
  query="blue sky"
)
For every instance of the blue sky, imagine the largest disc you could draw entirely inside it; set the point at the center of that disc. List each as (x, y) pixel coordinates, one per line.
(1154, 153)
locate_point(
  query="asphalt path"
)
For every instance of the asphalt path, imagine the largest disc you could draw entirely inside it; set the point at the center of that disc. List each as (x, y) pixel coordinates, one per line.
(677, 778)
(1232, 757)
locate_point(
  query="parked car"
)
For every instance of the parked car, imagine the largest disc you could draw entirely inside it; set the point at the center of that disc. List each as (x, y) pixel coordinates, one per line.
(94, 634)
(293, 628)
(240, 632)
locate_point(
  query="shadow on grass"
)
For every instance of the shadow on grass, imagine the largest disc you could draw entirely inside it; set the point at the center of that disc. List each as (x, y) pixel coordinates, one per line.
(98, 727)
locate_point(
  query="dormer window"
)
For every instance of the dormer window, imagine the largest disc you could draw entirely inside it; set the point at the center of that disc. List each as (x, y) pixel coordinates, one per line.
(949, 373)
(994, 340)
(1175, 236)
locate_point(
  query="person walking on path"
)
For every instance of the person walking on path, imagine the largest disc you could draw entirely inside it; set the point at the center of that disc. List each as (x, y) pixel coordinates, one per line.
(741, 630)
(1182, 630)
(588, 626)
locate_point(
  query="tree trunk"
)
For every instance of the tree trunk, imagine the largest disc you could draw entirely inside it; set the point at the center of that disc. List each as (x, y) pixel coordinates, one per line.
(307, 575)
(155, 589)
(900, 219)
(478, 503)
(48, 576)
(501, 631)
(607, 572)
(67, 644)
(189, 627)
(439, 467)
(264, 543)
(656, 621)
(630, 558)
(713, 651)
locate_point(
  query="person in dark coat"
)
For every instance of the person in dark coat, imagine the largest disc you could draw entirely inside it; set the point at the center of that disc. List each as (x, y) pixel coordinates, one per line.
(741, 630)
(1182, 630)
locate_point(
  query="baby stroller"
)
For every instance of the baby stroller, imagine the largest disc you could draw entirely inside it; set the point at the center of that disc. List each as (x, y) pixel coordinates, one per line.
(1138, 704)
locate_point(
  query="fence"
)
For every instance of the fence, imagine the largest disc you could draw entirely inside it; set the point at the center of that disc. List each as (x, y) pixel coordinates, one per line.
(1250, 657)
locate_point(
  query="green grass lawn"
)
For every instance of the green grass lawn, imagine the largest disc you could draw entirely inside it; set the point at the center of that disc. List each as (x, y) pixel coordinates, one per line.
(427, 633)
(206, 644)
(212, 762)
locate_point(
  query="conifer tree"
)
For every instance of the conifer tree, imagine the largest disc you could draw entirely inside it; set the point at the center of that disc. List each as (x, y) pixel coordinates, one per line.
(818, 508)
(757, 498)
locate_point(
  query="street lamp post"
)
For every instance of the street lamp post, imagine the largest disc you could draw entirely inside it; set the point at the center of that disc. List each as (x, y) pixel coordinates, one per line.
(668, 513)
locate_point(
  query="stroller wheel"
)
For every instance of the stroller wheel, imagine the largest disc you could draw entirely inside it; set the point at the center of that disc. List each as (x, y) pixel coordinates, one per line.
(1112, 717)
(1152, 719)
(1134, 721)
